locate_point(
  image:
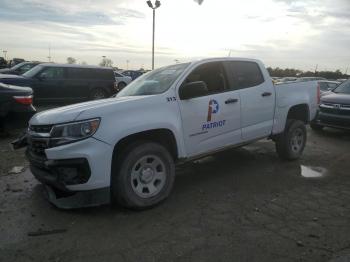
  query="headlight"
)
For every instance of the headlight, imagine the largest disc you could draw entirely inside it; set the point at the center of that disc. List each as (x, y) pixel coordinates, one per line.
(71, 132)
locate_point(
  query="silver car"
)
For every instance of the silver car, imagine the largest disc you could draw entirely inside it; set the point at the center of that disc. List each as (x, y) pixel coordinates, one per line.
(121, 80)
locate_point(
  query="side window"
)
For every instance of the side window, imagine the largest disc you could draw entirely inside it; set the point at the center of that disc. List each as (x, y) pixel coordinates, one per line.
(332, 85)
(323, 86)
(245, 74)
(24, 68)
(78, 73)
(52, 73)
(213, 74)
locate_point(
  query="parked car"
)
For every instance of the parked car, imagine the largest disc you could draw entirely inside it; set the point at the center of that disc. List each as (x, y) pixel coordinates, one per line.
(122, 80)
(287, 79)
(128, 145)
(3, 63)
(64, 82)
(16, 104)
(334, 110)
(312, 78)
(19, 69)
(327, 86)
(15, 61)
(133, 73)
(342, 80)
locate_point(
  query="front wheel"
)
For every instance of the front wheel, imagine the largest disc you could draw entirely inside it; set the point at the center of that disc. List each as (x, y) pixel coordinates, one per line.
(143, 176)
(291, 143)
(121, 85)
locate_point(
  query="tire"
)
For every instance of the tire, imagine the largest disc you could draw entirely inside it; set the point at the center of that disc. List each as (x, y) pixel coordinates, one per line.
(121, 85)
(136, 181)
(291, 143)
(98, 93)
(316, 127)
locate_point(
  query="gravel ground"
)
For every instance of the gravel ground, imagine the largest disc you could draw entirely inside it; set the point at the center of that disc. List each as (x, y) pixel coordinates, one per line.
(241, 205)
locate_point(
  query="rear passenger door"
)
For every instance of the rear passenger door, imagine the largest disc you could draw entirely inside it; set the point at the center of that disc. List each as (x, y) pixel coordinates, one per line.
(78, 82)
(257, 99)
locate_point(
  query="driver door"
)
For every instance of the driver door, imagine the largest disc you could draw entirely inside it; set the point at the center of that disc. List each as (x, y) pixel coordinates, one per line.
(211, 121)
(50, 84)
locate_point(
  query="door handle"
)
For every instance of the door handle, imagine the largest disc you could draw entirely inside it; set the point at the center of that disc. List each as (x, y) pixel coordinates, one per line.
(231, 101)
(266, 94)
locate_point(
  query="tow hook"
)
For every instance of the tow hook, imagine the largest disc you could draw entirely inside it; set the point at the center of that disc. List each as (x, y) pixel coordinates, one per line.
(19, 142)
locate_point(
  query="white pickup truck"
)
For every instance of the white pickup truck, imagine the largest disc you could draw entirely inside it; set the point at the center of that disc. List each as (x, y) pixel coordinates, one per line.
(129, 144)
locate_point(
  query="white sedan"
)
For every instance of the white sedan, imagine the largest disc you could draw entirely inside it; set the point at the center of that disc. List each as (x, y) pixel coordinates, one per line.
(121, 80)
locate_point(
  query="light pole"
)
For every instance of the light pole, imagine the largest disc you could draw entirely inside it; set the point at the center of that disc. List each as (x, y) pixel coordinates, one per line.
(156, 5)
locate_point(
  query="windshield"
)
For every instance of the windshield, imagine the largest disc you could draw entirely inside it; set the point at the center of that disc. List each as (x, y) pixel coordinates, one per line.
(343, 88)
(155, 82)
(32, 72)
(18, 66)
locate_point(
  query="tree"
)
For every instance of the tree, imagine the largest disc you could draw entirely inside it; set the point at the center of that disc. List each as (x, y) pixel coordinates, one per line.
(106, 62)
(71, 60)
(83, 63)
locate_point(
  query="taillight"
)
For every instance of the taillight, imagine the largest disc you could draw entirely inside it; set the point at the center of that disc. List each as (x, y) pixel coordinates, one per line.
(24, 100)
(318, 94)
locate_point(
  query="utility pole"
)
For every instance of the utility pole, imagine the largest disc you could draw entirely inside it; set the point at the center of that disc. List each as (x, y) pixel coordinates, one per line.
(5, 54)
(49, 57)
(316, 68)
(156, 5)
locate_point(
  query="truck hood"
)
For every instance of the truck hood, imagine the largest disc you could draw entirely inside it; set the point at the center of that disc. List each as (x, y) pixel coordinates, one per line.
(72, 112)
(336, 98)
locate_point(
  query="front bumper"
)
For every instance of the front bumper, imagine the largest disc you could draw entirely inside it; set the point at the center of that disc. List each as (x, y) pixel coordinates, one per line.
(80, 166)
(333, 120)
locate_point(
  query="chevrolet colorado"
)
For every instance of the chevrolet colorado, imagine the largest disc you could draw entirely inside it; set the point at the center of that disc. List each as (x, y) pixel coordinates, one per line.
(129, 144)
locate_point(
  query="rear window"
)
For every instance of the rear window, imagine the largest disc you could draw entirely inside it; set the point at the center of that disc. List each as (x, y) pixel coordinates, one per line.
(90, 73)
(245, 74)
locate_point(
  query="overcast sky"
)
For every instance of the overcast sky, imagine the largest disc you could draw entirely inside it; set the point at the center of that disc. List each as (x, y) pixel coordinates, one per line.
(284, 33)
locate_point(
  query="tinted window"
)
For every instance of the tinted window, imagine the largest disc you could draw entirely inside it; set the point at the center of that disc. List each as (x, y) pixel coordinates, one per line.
(52, 73)
(78, 73)
(213, 74)
(90, 73)
(245, 74)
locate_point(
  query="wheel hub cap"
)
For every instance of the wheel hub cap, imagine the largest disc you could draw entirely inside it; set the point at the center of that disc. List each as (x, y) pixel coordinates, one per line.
(148, 176)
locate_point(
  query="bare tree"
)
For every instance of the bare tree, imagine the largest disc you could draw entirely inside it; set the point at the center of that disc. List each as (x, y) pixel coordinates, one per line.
(71, 60)
(106, 62)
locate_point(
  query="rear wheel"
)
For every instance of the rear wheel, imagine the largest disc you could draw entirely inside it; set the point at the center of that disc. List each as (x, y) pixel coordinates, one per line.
(98, 93)
(291, 143)
(143, 176)
(121, 85)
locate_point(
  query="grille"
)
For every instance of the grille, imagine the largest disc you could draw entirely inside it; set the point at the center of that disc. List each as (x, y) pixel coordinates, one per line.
(41, 128)
(38, 146)
(336, 111)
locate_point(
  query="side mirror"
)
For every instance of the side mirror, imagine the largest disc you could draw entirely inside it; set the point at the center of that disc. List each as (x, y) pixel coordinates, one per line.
(193, 89)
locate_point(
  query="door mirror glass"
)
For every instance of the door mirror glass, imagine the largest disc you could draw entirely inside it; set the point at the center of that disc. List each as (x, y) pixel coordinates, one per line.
(193, 89)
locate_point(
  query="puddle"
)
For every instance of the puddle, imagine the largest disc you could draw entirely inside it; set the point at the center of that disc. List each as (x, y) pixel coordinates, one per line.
(312, 171)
